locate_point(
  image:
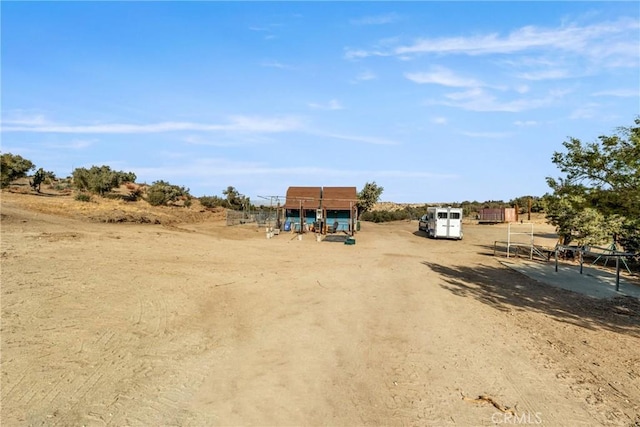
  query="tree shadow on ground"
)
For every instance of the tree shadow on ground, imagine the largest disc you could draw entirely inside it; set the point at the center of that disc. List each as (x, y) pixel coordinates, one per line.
(505, 290)
(32, 193)
(42, 194)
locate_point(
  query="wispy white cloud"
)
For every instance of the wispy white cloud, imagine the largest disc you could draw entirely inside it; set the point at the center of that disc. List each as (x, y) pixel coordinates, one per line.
(276, 64)
(550, 74)
(479, 99)
(234, 124)
(364, 53)
(597, 41)
(444, 77)
(334, 104)
(224, 167)
(22, 118)
(620, 93)
(550, 65)
(366, 75)
(383, 47)
(267, 30)
(586, 111)
(76, 144)
(439, 120)
(471, 94)
(388, 18)
(527, 61)
(560, 92)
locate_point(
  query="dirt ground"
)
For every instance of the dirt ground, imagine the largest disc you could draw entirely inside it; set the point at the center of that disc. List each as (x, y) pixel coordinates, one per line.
(108, 319)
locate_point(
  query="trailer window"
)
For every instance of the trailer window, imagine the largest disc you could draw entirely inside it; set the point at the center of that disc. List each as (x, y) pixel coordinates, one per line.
(442, 215)
(455, 215)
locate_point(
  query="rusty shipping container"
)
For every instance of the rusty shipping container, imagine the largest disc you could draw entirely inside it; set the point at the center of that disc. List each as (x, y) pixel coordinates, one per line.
(496, 215)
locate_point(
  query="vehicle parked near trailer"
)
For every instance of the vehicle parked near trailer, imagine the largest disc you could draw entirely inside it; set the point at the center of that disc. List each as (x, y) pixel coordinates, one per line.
(442, 222)
(423, 223)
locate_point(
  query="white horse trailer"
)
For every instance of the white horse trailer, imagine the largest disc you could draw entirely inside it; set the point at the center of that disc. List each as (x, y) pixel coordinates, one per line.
(444, 223)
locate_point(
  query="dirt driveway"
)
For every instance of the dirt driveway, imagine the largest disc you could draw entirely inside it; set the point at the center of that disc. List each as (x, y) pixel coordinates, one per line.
(200, 324)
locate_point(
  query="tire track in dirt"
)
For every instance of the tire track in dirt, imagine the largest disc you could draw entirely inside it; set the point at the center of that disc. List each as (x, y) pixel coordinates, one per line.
(88, 385)
(143, 388)
(124, 388)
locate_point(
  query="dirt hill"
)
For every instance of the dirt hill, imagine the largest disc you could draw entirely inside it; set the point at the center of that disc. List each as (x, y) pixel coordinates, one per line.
(61, 201)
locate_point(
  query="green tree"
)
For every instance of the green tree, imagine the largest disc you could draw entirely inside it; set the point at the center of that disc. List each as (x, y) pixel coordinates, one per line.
(212, 201)
(12, 167)
(38, 179)
(100, 179)
(523, 204)
(368, 197)
(386, 216)
(235, 200)
(161, 193)
(576, 222)
(602, 177)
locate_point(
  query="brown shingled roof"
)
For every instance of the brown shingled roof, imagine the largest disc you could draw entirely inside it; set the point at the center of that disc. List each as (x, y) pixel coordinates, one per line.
(310, 197)
(339, 198)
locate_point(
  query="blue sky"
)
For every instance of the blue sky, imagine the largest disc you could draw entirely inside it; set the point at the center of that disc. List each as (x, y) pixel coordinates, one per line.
(434, 101)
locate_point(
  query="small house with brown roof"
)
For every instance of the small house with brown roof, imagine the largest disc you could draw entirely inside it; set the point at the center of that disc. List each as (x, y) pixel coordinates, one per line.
(339, 207)
(301, 208)
(320, 209)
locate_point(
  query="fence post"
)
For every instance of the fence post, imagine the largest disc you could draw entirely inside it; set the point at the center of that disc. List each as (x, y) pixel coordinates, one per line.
(581, 259)
(618, 273)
